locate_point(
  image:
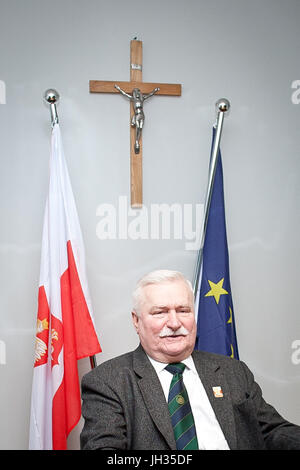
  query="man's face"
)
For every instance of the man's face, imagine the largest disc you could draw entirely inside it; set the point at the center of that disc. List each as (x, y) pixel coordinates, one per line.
(166, 322)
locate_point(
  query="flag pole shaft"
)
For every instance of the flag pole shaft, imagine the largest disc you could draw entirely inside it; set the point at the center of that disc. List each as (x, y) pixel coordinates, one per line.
(93, 362)
(222, 106)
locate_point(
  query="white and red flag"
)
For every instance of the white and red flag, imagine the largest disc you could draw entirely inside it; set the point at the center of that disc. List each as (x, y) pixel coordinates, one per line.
(65, 328)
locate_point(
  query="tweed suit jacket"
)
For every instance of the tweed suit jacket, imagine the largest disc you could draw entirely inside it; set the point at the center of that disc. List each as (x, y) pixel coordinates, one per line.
(124, 406)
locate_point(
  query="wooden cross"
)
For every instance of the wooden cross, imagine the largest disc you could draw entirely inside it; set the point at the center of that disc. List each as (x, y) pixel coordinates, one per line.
(100, 86)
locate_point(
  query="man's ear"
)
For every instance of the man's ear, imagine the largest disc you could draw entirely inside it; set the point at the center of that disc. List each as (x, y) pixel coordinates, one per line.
(135, 320)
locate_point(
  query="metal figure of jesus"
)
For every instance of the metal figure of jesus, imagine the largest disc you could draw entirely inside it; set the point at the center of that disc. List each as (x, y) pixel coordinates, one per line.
(137, 98)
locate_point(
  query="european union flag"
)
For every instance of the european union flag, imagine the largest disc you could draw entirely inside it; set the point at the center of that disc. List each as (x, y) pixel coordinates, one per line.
(215, 324)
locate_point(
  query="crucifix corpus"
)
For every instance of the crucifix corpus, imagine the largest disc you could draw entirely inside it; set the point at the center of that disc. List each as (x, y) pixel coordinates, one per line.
(137, 92)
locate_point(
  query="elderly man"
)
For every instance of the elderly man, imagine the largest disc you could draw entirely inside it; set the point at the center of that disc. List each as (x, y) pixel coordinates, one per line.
(164, 395)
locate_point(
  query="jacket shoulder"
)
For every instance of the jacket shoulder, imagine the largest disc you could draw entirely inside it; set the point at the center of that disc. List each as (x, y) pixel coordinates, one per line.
(109, 369)
(215, 358)
(218, 360)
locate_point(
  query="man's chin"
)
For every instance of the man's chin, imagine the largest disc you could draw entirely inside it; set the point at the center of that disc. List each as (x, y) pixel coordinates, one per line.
(176, 348)
(171, 349)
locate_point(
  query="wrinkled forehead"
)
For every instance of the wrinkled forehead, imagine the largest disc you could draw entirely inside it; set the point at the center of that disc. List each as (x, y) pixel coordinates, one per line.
(167, 294)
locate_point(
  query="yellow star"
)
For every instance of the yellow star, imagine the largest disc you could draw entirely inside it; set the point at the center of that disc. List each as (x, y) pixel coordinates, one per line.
(230, 316)
(216, 290)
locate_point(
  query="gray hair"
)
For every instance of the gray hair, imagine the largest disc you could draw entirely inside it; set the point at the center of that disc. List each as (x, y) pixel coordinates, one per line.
(156, 277)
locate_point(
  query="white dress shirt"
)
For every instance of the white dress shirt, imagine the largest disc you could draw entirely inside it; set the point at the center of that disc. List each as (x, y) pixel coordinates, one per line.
(209, 433)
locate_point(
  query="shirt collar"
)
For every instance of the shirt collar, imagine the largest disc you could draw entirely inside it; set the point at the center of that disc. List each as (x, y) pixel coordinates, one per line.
(160, 366)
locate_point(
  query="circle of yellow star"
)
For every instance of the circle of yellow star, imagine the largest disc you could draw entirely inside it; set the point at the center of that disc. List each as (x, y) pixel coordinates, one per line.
(216, 290)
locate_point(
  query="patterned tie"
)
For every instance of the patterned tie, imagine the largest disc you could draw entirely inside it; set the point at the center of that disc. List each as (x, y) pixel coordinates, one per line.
(180, 410)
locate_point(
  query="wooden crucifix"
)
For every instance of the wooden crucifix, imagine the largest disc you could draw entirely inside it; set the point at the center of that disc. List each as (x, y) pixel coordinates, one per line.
(137, 91)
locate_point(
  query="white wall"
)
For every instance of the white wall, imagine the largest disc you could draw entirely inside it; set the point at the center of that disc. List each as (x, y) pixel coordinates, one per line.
(244, 51)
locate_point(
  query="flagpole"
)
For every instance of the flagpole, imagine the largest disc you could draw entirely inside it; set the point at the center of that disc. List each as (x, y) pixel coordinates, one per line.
(222, 106)
(51, 96)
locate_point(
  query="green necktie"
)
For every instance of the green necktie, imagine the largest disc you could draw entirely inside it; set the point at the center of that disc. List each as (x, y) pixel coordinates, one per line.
(180, 410)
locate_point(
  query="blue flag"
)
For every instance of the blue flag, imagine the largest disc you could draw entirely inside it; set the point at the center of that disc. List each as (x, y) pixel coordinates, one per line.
(215, 324)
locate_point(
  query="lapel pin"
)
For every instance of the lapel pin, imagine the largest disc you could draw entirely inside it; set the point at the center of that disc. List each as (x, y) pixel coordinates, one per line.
(218, 392)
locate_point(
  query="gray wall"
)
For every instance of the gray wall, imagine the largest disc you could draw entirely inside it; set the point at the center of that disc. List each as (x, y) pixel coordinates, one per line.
(245, 51)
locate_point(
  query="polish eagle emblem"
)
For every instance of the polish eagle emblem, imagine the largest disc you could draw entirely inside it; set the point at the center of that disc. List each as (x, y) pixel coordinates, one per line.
(41, 341)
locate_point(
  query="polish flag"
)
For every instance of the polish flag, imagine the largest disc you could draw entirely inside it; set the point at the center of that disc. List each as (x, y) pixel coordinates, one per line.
(65, 328)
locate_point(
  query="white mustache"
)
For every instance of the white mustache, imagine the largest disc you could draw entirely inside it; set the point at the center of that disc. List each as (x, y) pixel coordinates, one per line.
(166, 331)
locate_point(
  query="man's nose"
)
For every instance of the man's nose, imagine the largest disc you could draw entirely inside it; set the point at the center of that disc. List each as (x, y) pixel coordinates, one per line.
(173, 320)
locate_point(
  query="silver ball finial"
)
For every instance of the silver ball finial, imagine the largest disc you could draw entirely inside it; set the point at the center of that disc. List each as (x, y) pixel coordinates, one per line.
(222, 105)
(51, 96)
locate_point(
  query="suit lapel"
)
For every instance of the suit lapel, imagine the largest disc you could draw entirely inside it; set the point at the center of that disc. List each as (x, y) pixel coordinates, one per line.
(153, 395)
(212, 376)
